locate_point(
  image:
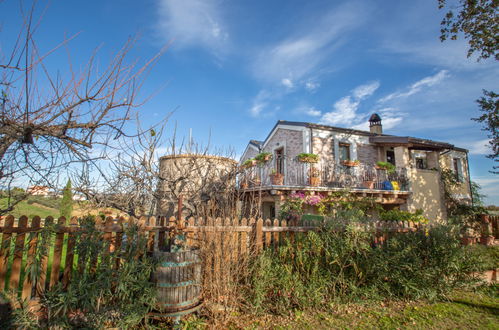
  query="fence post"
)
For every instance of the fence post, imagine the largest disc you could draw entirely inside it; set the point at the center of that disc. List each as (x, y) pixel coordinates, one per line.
(45, 241)
(258, 235)
(68, 267)
(5, 250)
(15, 273)
(56, 262)
(28, 283)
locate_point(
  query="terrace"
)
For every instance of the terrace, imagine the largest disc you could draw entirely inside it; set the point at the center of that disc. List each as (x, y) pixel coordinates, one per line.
(288, 175)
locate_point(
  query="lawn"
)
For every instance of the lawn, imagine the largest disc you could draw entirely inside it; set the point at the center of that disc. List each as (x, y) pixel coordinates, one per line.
(31, 209)
(463, 310)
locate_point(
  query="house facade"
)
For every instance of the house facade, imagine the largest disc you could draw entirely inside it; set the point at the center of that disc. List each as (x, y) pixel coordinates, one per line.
(349, 160)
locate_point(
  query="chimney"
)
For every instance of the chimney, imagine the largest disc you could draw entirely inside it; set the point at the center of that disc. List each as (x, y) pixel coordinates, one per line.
(375, 124)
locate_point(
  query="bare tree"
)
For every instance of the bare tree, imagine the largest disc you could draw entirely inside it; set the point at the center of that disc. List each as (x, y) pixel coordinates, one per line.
(128, 181)
(49, 121)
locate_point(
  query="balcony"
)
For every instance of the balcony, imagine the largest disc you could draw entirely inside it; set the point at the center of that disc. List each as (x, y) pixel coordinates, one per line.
(324, 176)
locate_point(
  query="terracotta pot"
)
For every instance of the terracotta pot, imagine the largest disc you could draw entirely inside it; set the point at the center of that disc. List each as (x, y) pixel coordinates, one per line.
(314, 181)
(369, 184)
(277, 179)
(350, 163)
(487, 240)
(308, 160)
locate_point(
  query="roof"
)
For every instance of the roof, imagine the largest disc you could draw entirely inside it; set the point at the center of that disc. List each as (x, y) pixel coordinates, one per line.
(256, 143)
(411, 142)
(374, 118)
(373, 137)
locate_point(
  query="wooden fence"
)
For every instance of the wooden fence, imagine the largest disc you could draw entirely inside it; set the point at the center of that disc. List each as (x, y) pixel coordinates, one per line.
(232, 238)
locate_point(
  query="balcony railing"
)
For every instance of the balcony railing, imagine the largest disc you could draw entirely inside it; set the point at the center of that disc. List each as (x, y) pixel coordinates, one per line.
(325, 174)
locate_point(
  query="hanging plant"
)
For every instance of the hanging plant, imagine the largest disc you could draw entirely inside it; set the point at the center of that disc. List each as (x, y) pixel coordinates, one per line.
(249, 163)
(389, 167)
(308, 157)
(263, 157)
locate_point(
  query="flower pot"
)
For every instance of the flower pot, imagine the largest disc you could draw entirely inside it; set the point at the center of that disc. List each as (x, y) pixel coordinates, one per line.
(305, 159)
(369, 184)
(314, 181)
(266, 158)
(487, 240)
(350, 163)
(277, 179)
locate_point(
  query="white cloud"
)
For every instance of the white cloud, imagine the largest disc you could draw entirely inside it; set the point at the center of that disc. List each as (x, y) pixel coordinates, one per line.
(192, 23)
(300, 54)
(480, 147)
(313, 112)
(417, 86)
(344, 112)
(311, 86)
(366, 90)
(260, 102)
(287, 82)
(489, 186)
(345, 109)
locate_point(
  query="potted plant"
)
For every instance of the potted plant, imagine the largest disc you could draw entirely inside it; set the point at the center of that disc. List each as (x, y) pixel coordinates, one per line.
(276, 178)
(351, 163)
(386, 166)
(314, 176)
(368, 180)
(249, 163)
(307, 157)
(263, 157)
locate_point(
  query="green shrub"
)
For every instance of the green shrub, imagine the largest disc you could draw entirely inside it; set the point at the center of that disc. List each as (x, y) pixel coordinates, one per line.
(100, 295)
(342, 264)
(422, 264)
(398, 215)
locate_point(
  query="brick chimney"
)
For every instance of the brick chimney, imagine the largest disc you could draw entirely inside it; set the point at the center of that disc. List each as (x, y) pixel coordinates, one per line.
(375, 124)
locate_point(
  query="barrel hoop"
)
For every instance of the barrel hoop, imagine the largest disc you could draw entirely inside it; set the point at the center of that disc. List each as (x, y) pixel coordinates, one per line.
(178, 264)
(176, 285)
(182, 304)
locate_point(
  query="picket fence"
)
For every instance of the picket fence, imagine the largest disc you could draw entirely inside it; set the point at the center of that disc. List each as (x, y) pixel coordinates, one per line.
(232, 239)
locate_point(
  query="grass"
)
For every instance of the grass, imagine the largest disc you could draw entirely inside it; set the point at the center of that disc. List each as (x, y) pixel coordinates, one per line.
(463, 310)
(30, 209)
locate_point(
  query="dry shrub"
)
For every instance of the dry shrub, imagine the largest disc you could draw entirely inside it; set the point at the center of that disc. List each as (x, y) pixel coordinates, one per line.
(225, 256)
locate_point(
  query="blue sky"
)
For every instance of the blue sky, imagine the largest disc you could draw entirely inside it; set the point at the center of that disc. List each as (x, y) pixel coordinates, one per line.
(233, 68)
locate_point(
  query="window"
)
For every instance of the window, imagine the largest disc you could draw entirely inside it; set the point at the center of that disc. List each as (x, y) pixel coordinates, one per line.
(390, 157)
(458, 169)
(279, 160)
(420, 160)
(344, 151)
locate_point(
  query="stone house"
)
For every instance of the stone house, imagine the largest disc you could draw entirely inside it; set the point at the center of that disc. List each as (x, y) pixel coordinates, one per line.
(348, 160)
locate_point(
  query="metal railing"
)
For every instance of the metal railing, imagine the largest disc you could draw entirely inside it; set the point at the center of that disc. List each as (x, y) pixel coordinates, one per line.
(325, 174)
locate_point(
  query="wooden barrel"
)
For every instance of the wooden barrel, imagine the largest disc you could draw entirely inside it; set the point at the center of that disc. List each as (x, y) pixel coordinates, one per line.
(178, 280)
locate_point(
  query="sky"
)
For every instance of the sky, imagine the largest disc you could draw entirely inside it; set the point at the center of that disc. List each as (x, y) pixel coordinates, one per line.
(233, 68)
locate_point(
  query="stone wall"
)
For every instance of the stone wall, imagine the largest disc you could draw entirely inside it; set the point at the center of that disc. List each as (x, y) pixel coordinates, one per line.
(292, 142)
(324, 147)
(367, 154)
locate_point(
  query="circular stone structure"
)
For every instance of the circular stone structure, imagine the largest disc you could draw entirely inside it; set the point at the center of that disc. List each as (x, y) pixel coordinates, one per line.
(206, 184)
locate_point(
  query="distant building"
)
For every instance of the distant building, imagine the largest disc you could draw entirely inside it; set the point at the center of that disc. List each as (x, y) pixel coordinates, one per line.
(38, 190)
